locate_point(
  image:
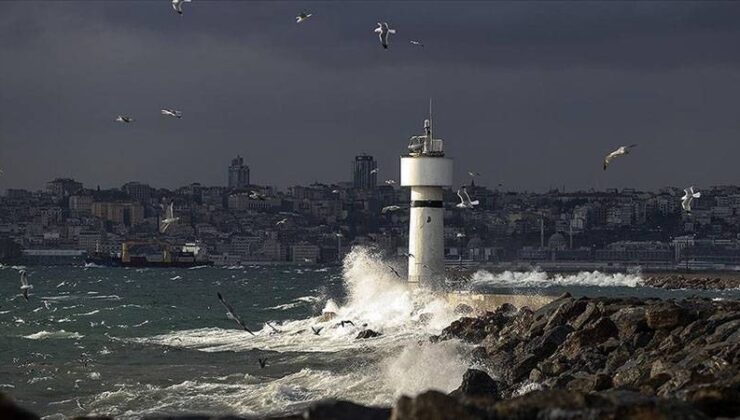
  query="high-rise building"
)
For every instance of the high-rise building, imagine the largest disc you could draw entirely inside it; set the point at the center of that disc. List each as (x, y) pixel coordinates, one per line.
(63, 187)
(364, 172)
(238, 173)
(138, 191)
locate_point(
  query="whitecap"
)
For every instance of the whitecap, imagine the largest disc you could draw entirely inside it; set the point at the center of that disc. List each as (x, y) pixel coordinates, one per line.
(61, 334)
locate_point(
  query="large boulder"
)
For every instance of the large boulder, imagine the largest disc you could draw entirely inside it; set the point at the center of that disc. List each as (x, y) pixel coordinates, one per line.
(340, 410)
(477, 383)
(10, 411)
(368, 333)
(433, 405)
(665, 316)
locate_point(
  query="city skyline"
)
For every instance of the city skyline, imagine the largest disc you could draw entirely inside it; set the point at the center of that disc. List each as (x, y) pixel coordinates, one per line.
(532, 95)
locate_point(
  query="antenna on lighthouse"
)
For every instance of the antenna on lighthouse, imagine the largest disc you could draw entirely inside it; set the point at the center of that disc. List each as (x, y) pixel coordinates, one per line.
(428, 122)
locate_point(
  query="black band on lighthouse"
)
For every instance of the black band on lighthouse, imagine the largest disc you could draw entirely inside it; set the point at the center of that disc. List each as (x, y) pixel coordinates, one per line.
(427, 203)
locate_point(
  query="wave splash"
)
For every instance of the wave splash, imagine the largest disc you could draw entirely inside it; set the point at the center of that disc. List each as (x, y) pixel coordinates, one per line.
(540, 279)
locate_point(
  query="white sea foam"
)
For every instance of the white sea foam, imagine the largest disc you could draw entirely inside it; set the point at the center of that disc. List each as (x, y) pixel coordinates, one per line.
(540, 279)
(61, 334)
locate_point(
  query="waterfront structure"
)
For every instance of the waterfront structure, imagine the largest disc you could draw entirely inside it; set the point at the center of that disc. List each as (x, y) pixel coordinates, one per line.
(364, 172)
(427, 172)
(238, 173)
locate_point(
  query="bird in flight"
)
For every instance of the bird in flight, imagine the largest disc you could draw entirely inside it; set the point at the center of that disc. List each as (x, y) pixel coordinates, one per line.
(473, 174)
(689, 196)
(302, 17)
(346, 322)
(262, 362)
(621, 151)
(281, 222)
(25, 287)
(231, 313)
(390, 181)
(408, 255)
(169, 218)
(177, 5)
(417, 43)
(465, 201)
(383, 31)
(394, 271)
(316, 331)
(386, 209)
(254, 195)
(374, 171)
(171, 112)
(124, 119)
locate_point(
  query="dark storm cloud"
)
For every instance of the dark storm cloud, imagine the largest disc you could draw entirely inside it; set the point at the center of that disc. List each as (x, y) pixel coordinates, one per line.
(531, 94)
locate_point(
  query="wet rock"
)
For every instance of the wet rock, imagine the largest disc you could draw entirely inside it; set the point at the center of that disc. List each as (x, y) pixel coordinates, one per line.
(368, 333)
(463, 309)
(546, 344)
(9, 410)
(589, 313)
(716, 400)
(338, 410)
(600, 331)
(629, 321)
(477, 383)
(433, 405)
(665, 316)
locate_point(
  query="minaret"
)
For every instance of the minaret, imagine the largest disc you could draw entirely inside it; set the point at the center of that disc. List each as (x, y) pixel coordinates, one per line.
(427, 172)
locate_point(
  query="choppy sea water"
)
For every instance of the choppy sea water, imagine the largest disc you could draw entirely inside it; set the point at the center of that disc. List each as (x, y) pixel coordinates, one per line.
(131, 342)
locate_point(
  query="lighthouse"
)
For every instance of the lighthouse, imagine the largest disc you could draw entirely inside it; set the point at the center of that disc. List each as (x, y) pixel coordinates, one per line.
(427, 171)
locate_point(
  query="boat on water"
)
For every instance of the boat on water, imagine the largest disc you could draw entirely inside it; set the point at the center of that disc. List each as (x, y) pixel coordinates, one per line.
(152, 254)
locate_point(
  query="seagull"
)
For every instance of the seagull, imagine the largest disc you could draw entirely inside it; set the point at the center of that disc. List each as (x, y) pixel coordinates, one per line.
(124, 119)
(335, 191)
(408, 255)
(383, 31)
(417, 43)
(281, 222)
(460, 235)
(374, 171)
(386, 209)
(342, 323)
(177, 5)
(394, 271)
(302, 17)
(254, 195)
(622, 150)
(232, 314)
(473, 174)
(263, 362)
(273, 328)
(689, 196)
(465, 202)
(171, 112)
(390, 181)
(169, 218)
(339, 235)
(316, 331)
(25, 287)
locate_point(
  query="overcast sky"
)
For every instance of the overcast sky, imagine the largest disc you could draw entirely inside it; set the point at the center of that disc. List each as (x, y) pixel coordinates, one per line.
(530, 94)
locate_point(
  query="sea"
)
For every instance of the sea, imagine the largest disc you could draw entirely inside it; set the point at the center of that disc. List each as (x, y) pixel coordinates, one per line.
(132, 342)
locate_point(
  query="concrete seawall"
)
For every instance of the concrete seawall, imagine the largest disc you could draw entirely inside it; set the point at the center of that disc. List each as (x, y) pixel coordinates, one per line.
(489, 302)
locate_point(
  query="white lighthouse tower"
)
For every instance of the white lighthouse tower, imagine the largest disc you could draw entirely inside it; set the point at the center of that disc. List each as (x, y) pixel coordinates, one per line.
(427, 172)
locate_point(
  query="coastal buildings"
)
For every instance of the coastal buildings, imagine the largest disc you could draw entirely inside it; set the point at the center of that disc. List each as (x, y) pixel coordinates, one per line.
(364, 173)
(238, 173)
(301, 224)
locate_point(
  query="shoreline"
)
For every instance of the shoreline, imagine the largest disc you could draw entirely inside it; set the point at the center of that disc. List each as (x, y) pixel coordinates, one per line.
(589, 357)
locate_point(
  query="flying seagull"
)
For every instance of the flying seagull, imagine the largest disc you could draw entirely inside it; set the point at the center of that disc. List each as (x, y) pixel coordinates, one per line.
(171, 112)
(417, 43)
(622, 150)
(689, 196)
(302, 17)
(169, 218)
(124, 119)
(25, 287)
(254, 195)
(281, 222)
(374, 171)
(465, 201)
(316, 331)
(390, 181)
(383, 31)
(273, 328)
(232, 314)
(394, 271)
(460, 235)
(177, 5)
(386, 209)
(263, 362)
(342, 323)
(408, 255)
(473, 174)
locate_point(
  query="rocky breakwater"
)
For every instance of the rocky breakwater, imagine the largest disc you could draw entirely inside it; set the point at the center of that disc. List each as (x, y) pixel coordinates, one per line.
(698, 281)
(683, 351)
